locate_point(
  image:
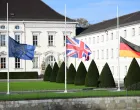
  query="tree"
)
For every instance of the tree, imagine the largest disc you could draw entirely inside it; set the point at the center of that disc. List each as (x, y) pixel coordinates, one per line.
(54, 73)
(71, 74)
(106, 79)
(80, 75)
(61, 74)
(92, 75)
(82, 22)
(133, 74)
(47, 73)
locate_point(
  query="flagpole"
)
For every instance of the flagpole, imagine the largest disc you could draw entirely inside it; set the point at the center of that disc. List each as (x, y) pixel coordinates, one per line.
(75, 63)
(118, 50)
(65, 56)
(24, 42)
(7, 53)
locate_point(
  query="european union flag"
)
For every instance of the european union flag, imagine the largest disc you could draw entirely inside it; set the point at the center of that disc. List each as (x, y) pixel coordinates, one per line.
(22, 51)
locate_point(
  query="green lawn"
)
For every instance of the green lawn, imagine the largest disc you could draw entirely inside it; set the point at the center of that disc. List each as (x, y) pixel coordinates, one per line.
(40, 85)
(53, 95)
(36, 85)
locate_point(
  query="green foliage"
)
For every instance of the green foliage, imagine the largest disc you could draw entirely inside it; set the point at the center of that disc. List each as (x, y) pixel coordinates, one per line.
(19, 75)
(92, 75)
(47, 73)
(71, 74)
(106, 79)
(61, 74)
(80, 75)
(54, 72)
(133, 74)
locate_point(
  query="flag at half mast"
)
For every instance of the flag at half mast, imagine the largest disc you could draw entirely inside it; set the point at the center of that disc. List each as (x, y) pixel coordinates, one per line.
(21, 51)
(77, 48)
(128, 49)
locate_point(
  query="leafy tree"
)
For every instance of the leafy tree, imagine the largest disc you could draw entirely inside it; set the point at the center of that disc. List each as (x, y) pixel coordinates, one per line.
(82, 22)
(47, 73)
(106, 79)
(92, 75)
(61, 74)
(133, 74)
(54, 72)
(80, 75)
(71, 74)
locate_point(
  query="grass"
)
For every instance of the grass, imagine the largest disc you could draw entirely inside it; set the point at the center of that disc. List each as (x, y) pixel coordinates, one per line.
(36, 85)
(40, 85)
(53, 95)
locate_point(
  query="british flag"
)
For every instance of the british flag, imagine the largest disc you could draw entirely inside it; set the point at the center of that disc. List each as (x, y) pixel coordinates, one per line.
(77, 48)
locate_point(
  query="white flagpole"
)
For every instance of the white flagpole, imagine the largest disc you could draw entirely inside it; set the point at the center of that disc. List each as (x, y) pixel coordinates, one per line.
(65, 56)
(7, 53)
(118, 50)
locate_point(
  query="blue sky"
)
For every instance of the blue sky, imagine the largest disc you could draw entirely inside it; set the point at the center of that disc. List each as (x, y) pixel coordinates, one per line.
(94, 10)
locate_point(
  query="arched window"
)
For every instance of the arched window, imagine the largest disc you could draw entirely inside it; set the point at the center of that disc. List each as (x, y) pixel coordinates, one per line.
(2, 27)
(50, 60)
(17, 27)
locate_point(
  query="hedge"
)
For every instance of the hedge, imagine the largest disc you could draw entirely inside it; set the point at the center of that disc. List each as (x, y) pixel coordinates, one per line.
(106, 79)
(61, 74)
(19, 75)
(133, 75)
(47, 73)
(54, 72)
(80, 75)
(92, 75)
(71, 74)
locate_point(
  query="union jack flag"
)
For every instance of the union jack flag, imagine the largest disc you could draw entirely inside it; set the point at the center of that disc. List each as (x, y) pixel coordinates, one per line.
(77, 48)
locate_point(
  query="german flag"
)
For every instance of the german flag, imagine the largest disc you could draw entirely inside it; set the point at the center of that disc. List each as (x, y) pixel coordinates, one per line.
(128, 49)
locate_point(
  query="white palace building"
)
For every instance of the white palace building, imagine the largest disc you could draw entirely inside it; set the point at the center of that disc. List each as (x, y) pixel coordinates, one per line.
(35, 23)
(102, 38)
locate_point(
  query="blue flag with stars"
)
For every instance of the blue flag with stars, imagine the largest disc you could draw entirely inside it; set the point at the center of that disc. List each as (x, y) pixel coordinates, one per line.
(21, 51)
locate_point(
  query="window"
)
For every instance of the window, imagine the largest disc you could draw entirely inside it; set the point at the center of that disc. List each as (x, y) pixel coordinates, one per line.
(3, 62)
(17, 63)
(133, 31)
(50, 60)
(117, 34)
(117, 54)
(2, 27)
(107, 37)
(106, 53)
(125, 69)
(2, 40)
(97, 54)
(102, 38)
(35, 40)
(112, 36)
(64, 40)
(89, 40)
(85, 40)
(93, 40)
(50, 40)
(16, 27)
(93, 54)
(97, 39)
(17, 37)
(111, 53)
(35, 62)
(102, 54)
(112, 69)
(125, 34)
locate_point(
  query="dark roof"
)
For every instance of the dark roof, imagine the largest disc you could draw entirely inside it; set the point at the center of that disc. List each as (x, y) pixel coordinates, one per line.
(79, 30)
(29, 10)
(123, 20)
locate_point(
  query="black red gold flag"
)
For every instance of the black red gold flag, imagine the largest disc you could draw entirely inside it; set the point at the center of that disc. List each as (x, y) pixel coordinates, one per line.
(128, 49)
